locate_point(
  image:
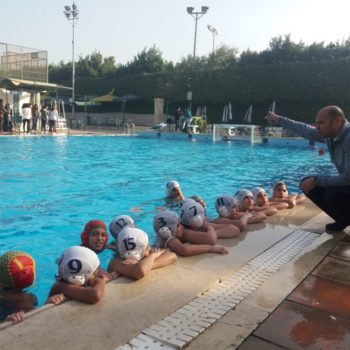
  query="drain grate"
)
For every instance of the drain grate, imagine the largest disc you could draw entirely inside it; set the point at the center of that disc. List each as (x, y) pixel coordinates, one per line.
(182, 326)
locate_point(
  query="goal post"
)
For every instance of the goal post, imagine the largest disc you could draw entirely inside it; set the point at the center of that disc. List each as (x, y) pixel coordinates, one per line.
(237, 132)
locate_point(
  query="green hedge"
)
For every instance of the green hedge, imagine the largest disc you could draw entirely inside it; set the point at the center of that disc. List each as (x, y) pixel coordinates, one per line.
(299, 90)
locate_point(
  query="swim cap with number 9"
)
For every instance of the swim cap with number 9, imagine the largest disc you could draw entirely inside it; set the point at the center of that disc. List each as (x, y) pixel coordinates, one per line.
(77, 264)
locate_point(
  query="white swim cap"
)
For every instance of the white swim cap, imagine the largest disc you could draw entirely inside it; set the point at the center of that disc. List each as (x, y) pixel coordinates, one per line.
(170, 186)
(132, 243)
(240, 195)
(255, 192)
(120, 222)
(275, 185)
(165, 223)
(192, 214)
(77, 264)
(184, 201)
(224, 205)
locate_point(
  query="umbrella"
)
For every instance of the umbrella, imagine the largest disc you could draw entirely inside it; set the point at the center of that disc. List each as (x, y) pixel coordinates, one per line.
(105, 98)
(248, 116)
(272, 108)
(204, 112)
(230, 114)
(225, 114)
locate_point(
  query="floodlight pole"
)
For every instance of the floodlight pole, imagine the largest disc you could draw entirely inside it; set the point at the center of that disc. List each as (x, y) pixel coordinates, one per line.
(214, 33)
(72, 15)
(196, 16)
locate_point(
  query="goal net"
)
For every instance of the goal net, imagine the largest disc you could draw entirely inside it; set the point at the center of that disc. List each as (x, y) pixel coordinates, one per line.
(236, 132)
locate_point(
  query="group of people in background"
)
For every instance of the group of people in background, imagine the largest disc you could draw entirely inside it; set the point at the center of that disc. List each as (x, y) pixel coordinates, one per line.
(6, 117)
(182, 229)
(31, 115)
(187, 116)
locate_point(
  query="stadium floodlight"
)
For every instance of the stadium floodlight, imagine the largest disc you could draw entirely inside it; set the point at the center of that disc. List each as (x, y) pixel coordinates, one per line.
(214, 32)
(72, 15)
(196, 15)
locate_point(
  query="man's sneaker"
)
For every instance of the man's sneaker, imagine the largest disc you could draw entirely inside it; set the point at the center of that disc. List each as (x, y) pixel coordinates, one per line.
(337, 226)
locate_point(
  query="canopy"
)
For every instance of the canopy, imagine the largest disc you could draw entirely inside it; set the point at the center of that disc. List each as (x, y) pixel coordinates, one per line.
(105, 98)
(30, 85)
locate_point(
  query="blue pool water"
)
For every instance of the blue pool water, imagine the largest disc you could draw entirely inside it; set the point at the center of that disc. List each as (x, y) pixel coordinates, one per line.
(51, 186)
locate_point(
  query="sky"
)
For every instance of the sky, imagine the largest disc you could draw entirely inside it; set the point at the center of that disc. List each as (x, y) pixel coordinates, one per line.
(123, 28)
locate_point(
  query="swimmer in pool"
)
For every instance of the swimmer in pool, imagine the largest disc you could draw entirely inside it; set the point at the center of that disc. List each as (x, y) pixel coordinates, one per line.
(223, 230)
(95, 237)
(135, 257)
(169, 232)
(261, 201)
(78, 277)
(173, 197)
(17, 271)
(173, 192)
(279, 193)
(226, 207)
(118, 223)
(245, 204)
(195, 227)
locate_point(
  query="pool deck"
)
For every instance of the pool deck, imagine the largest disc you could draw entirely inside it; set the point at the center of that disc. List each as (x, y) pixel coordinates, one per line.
(132, 309)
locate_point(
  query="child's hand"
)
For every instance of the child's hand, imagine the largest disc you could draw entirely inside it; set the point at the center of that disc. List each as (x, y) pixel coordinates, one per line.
(219, 250)
(112, 276)
(56, 299)
(156, 252)
(16, 317)
(108, 275)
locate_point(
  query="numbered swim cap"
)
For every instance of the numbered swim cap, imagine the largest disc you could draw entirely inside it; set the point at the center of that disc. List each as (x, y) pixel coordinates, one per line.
(224, 205)
(192, 214)
(275, 185)
(77, 264)
(17, 270)
(240, 195)
(165, 223)
(255, 192)
(170, 186)
(132, 243)
(89, 227)
(184, 201)
(120, 222)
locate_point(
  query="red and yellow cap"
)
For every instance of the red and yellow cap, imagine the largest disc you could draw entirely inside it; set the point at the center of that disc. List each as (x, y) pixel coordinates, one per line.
(17, 270)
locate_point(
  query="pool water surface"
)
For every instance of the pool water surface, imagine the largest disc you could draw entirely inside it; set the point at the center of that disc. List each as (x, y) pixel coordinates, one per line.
(51, 186)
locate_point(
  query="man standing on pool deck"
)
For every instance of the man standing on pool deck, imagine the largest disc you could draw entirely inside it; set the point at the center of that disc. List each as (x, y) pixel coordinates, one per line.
(330, 193)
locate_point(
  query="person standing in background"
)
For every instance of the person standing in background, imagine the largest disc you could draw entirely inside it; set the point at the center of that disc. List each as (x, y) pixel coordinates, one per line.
(26, 115)
(35, 115)
(178, 114)
(53, 117)
(44, 117)
(2, 115)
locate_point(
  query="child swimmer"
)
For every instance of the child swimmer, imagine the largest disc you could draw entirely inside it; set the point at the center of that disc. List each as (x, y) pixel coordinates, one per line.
(17, 271)
(77, 277)
(261, 201)
(227, 208)
(169, 231)
(279, 193)
(135, 257)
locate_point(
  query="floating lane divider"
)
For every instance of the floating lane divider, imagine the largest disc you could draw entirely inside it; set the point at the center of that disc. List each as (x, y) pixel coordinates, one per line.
(182, 326)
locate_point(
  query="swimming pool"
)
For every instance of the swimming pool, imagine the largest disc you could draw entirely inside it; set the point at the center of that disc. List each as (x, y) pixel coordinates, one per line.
(51, 186)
